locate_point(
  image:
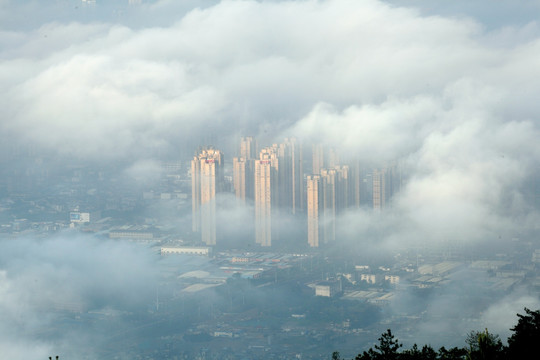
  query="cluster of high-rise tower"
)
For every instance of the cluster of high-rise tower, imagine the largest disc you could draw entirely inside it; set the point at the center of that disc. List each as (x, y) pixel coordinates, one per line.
(273, 180)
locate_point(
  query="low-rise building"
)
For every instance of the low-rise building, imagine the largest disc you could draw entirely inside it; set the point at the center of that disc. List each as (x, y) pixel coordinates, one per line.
(187, 250)
(328, 288)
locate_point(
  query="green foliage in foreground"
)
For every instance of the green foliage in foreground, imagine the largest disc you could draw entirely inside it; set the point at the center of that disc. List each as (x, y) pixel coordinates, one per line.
(481, 345)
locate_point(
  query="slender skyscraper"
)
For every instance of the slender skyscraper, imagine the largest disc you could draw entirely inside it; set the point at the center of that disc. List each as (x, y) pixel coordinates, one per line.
(318, 158)
(314, 205)
(266, 191)
(379, 189)
(243, 169)
(279, 188)
(296, 181)
(248, 148)
(329, 180)
(326, 197)
(291, 176)
(241, 172)
(393, 179)
(386, 183)
(206, 181)
(343, 199)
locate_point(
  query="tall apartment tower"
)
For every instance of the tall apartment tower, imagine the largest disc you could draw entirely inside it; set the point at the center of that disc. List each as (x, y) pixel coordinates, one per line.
(241, 176)
(355, 184)
(243, 169)
(379, 189)
(296, 180)
(314, 196)
(326, 197)
(206, 181)
(386, 183)
(317, 158)
(279, 188)
(330, 187)
(266, 194)
(394, 179)
(291, 176)
(343, 196)
(248, 148)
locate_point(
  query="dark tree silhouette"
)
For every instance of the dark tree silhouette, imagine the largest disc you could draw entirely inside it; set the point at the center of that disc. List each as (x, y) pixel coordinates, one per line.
(454, 353)
(523, 343)
(426, 353)
(484, 346)
(386, 350)
(481, 345)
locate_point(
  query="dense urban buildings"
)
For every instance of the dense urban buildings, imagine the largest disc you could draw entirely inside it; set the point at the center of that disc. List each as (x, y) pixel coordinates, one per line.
(275, 185)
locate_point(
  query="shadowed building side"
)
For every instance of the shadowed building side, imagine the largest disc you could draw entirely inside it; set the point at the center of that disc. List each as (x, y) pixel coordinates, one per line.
(379, 189)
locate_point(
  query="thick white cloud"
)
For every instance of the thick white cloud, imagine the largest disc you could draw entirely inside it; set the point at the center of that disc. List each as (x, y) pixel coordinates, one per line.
(105, 89)
(38, 278)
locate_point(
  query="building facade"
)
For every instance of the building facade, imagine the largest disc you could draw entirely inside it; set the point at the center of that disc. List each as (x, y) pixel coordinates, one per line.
(206, 181)
(266, 191)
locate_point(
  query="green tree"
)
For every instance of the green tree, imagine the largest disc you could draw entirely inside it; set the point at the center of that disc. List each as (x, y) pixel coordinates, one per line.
(484, 346)
(388, 346)
(454, 353)
(386, 350)
(523, 343)
(426, 353)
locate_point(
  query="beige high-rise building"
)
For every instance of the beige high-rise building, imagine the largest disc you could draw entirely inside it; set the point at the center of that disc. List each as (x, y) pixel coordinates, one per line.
(279, 188)
(240, 177)
(266, 191)
(206, 181)
(243, 169)
(342, 190)
(326, 198)
(314, 197)
(248, 148)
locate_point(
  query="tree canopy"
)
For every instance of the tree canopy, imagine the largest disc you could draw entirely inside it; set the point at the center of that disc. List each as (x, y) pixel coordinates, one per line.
(481, 345)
